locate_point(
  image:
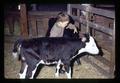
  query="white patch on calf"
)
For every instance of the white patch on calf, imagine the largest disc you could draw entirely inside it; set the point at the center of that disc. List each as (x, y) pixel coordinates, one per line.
(22, 76)
(91, 47)
(33, 73)
(41, 62)
(15, 55)
(19, 49)
(47, 63)
(57, 68)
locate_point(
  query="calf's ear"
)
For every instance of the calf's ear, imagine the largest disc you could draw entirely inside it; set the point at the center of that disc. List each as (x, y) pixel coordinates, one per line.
(84, 39)
(87, 35)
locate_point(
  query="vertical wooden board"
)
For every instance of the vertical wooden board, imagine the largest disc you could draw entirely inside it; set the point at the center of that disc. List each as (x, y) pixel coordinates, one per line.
(23, 21)
(112, 58)
(69, 9)
(11, 25)
(17, 26)
(34, 26)
(42, 26)
(83, 28)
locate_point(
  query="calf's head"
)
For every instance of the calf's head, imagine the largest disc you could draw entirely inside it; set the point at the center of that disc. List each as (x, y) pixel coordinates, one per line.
(90, 44)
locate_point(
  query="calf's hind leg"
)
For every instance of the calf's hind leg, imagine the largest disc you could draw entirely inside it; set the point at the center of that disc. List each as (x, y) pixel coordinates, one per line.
(31, 72)
(68, 70)
(23, 70)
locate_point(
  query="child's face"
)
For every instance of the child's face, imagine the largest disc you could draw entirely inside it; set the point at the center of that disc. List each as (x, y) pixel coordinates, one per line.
(62, 24)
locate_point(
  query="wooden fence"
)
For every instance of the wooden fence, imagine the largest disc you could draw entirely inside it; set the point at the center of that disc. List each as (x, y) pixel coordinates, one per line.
(72, 8)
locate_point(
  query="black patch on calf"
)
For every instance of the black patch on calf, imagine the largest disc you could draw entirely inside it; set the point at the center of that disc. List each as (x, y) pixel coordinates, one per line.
(22, 66)
(29, 59)
(87, 36)
(33, 53)
(100, 49)
(49, 50)
(38, 70)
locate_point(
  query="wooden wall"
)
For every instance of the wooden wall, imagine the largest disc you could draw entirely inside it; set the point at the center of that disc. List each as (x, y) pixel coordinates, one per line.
(101, 24)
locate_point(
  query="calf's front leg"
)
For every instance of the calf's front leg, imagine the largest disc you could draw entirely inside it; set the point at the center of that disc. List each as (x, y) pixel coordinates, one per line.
(57, 69)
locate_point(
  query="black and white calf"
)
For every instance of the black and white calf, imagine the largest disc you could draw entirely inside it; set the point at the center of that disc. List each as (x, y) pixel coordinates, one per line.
(59, 51)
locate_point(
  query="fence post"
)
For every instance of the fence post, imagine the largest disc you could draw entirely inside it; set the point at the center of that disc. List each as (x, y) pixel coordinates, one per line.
(69, 9)
(78, 24)
(112, 58)
(23, 21)
(34, 26)
(87, 17)
(11, 25)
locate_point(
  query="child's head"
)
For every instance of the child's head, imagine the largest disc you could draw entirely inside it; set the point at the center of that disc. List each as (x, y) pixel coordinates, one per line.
(62, 17)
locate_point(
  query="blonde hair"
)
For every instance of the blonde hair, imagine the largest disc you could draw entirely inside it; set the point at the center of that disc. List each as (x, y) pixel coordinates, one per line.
(62, 17)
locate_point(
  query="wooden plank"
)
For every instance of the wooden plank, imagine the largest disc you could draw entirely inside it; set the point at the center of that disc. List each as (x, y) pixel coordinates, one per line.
(13, 13)
(38, 13)
(23, 21)
(10, 23)
(98, 27)
(102, 12)
(87, 22)
(103, 60)
(105, 45)
(78, 12)
(112, 58)
(69, 9)
(98, 11)
(34, 26)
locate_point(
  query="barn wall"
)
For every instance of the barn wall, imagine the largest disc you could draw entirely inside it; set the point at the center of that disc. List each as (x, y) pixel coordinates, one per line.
(38, 16)
(41, 20)
(99, 23)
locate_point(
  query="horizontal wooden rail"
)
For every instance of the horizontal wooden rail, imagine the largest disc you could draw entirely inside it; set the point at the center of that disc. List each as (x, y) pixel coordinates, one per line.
(98, 11)
(94, 25)
(42, 13)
